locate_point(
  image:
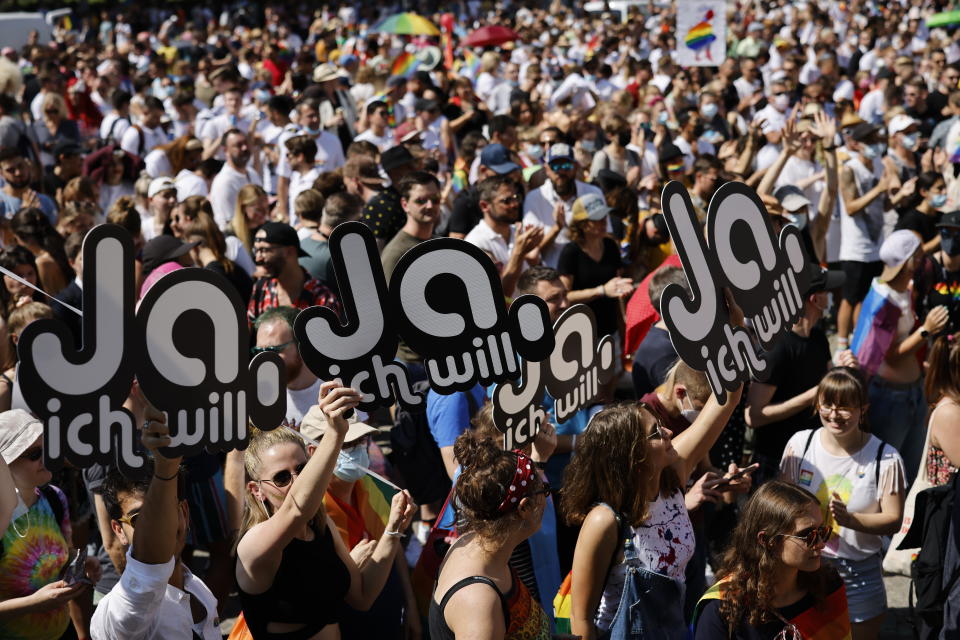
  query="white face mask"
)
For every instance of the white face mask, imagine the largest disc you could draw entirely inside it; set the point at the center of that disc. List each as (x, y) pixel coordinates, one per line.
(781, 102)
(689, 414)
(797, 219)
(352, 463)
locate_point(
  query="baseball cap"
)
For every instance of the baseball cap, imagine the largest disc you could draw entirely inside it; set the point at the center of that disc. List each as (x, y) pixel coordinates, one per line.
(280, 233)
(896, 250)
(864, 132)
(497, 158)
(67, 148)
(590, 207)
(559, 151)
(823, 279)
(160, 184)
(791, 198)
(314, 425)
(884, 73)
(900, 123)
(163, 248)
(18, 430)
(951, 219)
(396, 157)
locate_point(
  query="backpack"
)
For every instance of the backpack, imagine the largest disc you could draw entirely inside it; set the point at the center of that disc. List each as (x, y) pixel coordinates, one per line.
(415, 454)
(934, 512)
(109, 138)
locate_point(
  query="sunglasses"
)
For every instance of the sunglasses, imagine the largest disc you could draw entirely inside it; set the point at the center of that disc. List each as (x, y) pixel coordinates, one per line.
(657, 433)
(283, 478)
(130, 519)
(812, 537)
(423, 201)
(274, 349)
(33, 454)
(561, 166)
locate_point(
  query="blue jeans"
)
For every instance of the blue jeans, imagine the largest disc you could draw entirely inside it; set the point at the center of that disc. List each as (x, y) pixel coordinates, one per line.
(898, 416)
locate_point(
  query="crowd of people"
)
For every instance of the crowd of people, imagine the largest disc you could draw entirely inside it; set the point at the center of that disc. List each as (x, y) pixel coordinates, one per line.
(238, 139)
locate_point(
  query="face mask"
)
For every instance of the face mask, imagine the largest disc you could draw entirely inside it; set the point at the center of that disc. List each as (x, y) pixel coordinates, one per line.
(163, 92)
(349, 463)
(588, 145)
(311, 132)
(873, 150)
(535, 152)
(799, 219)
(262, 95)
(910, 140)
(781, 102)
(950, 245)
(709, 110)
(938, 201)
(689, 414)
(663, 117)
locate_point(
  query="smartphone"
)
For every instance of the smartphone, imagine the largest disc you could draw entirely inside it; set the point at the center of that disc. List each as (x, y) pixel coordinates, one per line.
(75, 570)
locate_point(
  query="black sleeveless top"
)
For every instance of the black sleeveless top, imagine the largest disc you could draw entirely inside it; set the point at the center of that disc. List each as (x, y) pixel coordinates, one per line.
(308, 589)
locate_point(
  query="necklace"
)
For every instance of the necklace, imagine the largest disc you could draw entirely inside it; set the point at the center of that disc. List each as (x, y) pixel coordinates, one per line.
(16, 529)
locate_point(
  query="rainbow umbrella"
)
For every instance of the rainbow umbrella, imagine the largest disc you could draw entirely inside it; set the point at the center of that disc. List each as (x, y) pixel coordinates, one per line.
(406, 24)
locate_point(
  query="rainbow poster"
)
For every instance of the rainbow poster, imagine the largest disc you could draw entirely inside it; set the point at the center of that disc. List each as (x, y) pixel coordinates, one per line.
(701, 33)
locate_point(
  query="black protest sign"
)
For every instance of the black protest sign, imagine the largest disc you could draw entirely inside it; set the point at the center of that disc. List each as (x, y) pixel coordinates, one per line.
(573, 373)
(766, 277)
(194, 363)
(79, 393)
(186, 344)
(360, 352)
(450, 309)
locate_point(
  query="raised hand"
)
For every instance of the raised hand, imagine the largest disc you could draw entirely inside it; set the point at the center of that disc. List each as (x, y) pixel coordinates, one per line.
(335, 401)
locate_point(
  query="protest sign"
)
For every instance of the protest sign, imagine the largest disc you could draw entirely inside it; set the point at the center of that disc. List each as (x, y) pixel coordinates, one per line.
(764, 275)
(186, 344)
(444, 299)
(701, 33)
(572, 375)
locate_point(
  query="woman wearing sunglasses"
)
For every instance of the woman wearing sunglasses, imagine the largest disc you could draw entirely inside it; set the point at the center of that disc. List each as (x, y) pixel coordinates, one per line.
(35, 547)
(625, 488)
(501, 499)
(859, 481)
(293, 571)
(772, 583)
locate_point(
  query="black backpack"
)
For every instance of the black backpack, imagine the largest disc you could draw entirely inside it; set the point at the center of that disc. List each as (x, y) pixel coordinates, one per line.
(415, 454)
(930, 532)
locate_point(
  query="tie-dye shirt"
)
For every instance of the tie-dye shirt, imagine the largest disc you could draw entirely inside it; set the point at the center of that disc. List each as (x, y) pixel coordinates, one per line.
(35, 548)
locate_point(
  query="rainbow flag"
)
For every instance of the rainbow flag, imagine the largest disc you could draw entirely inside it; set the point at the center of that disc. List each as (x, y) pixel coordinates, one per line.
(369, 519)
(561, 606)
(469, 66)
(404, 64)
(876, 327)
(829, 621)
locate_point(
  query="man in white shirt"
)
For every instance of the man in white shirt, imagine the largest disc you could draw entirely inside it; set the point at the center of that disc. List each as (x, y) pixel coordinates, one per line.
(231, 118)
(115, 124)
(329, 151)
(499, 102)
(551, 205)
(274, 331)
(509, 246)
(378, 131)
(140, 139)
(162, 198)
(302, 151)
(157, 596)
(234, 175)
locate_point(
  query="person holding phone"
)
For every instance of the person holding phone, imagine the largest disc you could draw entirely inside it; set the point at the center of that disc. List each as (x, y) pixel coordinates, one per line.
(35, 546)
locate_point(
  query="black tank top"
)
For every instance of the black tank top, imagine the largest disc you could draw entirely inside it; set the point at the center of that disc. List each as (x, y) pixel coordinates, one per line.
(309, 589)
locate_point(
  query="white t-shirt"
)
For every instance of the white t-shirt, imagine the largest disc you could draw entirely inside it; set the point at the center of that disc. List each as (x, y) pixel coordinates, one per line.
(130, 142)
(300, 182)
(299, 402)
(384, 142)
(113, 126)
(490, 241)
(329, 155)
(157, 164)
(224, 189)
(538, 209)
(853, 478)
(860, 234)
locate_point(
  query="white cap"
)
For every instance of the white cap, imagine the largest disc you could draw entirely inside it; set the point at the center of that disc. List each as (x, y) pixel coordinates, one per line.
(900, 123)
(160, 184)
(896, 250)
(844, 91)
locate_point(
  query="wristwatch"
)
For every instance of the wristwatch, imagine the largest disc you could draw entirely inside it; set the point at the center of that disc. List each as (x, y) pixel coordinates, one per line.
(924, 333)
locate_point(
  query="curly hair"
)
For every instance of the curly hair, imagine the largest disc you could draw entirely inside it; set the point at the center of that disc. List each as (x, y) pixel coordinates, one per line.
(608, 466)
(749, 568)
(482, 486)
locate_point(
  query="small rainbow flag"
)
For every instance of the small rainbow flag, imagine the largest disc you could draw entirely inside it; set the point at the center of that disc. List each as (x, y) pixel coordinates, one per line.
(470, 64)
(404, 64)
(354, 525)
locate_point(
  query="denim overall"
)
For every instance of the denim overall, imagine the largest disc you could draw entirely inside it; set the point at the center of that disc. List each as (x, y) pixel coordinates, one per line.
(651, 605)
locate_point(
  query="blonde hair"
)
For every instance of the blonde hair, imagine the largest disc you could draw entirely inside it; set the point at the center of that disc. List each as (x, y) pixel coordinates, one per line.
(254, 511)
(248, 195)
(57, 101)
(489, 61)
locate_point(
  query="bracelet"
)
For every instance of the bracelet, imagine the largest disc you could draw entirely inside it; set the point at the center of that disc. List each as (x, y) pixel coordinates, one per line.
(395, 534)
(173, 477)
(603, 290)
